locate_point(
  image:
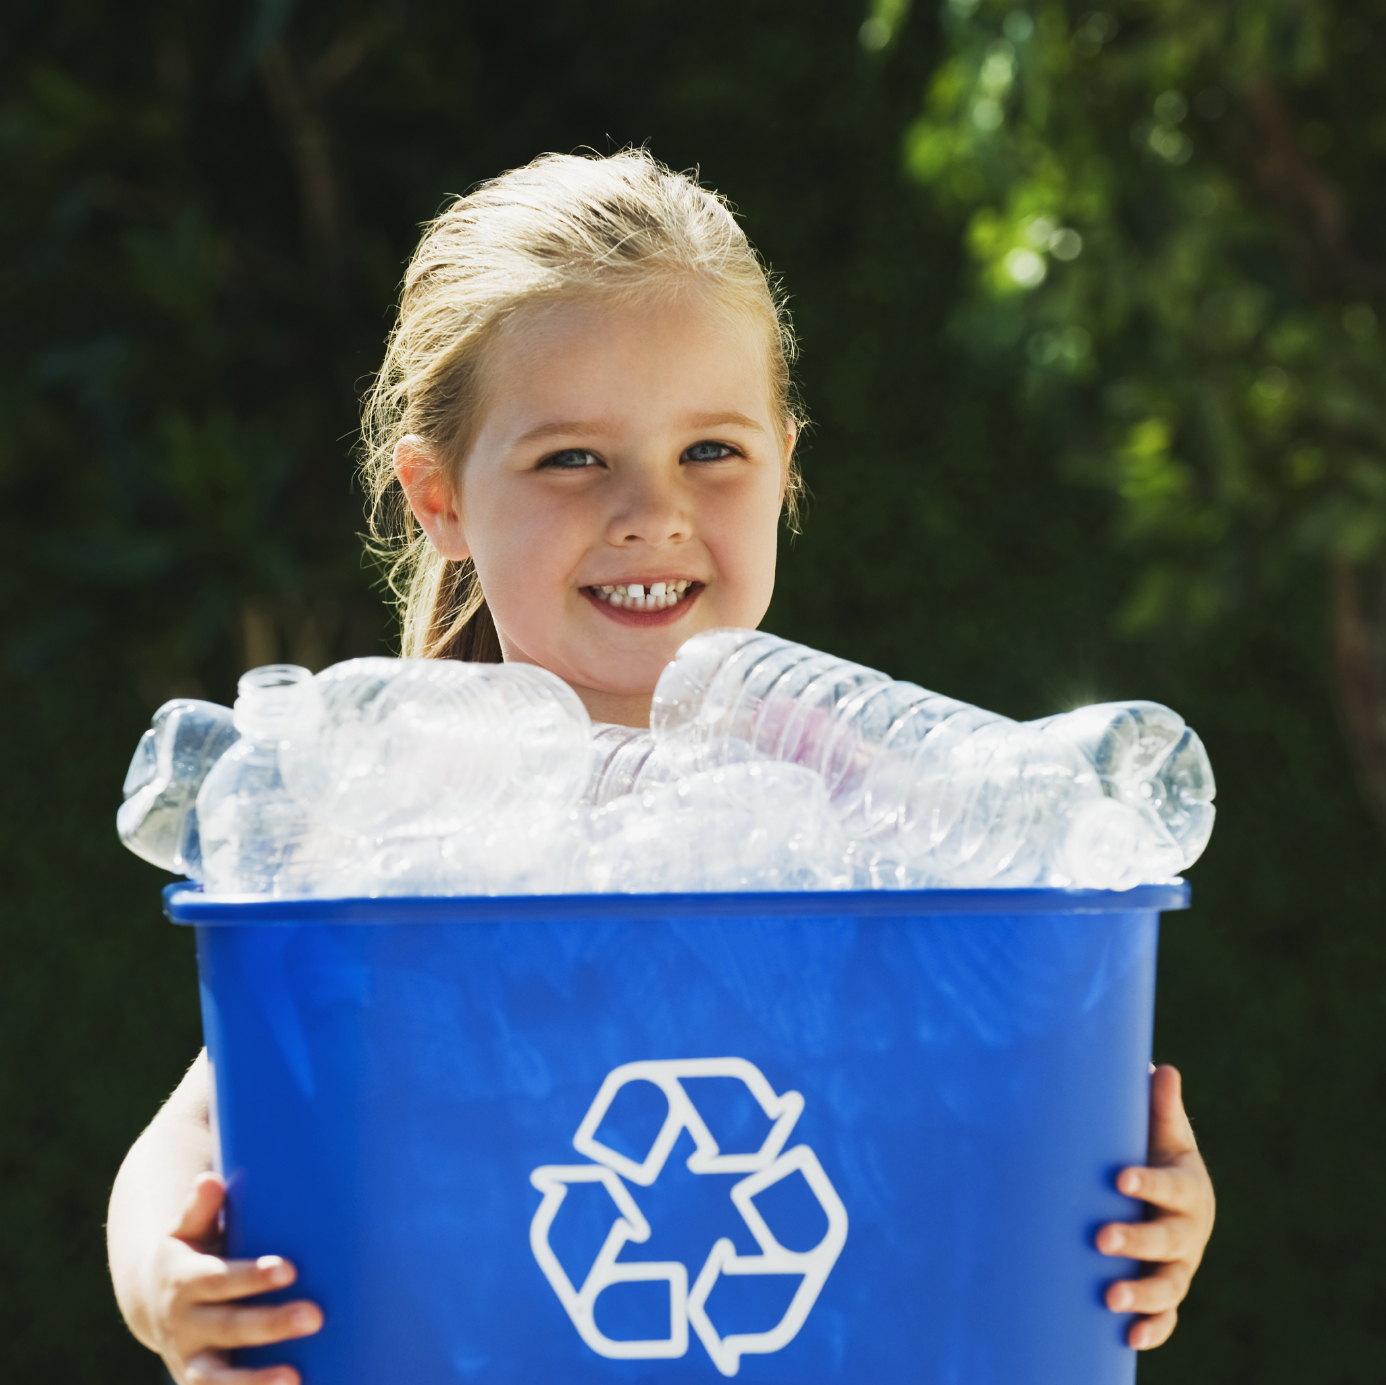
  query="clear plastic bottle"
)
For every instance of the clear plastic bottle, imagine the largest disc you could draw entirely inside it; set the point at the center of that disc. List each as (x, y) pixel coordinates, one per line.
(750, 826)
(1145, 756)
(628, 759)
(156, 821)
(256, 838)
(428, 747)
(618, 755)
(514, 854)
(934, 792)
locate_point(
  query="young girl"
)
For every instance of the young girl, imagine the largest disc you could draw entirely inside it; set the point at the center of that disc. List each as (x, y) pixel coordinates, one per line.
(582, 442)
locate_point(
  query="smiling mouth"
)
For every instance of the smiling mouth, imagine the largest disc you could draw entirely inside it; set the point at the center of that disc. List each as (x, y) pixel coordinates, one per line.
(637, 596)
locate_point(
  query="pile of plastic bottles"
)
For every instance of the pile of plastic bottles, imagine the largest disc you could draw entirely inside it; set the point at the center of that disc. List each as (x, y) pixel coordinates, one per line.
(767, 766)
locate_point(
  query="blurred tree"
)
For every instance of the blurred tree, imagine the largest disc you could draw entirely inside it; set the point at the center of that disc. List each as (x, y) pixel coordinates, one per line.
(1173, 211)
(191, 301)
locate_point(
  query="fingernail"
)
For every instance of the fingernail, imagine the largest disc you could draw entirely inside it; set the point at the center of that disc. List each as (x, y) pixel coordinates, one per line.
(1130, 1182)
(305, 1319)
(1115, 1239)
(276, 1267)
(1121, 1298)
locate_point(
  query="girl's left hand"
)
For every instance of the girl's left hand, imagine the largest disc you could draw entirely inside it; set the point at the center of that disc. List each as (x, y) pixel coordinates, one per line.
(1179, 1192)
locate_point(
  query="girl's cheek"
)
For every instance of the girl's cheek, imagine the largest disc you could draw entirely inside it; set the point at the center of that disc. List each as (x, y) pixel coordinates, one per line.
(747, 595)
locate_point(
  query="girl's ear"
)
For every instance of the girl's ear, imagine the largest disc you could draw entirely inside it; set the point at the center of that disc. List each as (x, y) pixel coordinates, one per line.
(791, 436)
(432, 497)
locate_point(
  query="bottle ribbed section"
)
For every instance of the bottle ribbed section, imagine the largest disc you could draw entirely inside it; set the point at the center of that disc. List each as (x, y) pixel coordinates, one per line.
(932, 790)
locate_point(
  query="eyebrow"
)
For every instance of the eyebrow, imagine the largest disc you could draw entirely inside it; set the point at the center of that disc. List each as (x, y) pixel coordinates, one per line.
(590, 426)
(719, 420)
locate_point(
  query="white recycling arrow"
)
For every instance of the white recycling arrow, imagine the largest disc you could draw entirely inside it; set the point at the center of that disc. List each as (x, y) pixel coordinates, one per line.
(553, 1181)
(765, 1167)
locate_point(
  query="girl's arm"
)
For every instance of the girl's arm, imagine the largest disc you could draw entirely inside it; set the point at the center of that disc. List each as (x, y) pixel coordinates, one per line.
(1176, 1188)
(163, 1234)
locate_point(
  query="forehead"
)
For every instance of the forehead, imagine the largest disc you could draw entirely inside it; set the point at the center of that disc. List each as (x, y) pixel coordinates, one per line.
(682, 351)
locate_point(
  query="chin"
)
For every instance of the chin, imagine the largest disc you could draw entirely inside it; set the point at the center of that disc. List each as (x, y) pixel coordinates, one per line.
(640, 687)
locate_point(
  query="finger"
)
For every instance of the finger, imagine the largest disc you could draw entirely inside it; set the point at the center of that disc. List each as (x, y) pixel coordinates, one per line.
(1154, 1293)
(198, 1222)
(1171, 1135)
(211, 1368)
(1151, 1332)
(1164, 1239)
(217, 1281)
(1174, 1189)
(257, 1325)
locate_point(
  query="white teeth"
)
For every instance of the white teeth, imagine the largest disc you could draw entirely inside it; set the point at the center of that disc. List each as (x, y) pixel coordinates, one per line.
(633, 596)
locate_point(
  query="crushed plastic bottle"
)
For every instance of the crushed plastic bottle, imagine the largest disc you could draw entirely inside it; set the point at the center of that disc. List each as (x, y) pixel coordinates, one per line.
(256, 837)
(515, 854)
(156, 821)
(627, 759)
(749, 826)
(429, 747)
(384, 776)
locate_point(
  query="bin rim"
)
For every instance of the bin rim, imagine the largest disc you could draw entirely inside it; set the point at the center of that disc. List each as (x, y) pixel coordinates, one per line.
(186, 903)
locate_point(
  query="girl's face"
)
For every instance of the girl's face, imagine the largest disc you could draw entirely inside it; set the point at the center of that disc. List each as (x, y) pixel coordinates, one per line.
(622, 492)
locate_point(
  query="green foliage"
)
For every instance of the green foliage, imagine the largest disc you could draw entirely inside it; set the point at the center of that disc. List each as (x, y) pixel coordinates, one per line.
(176, 392)
(1167, 207)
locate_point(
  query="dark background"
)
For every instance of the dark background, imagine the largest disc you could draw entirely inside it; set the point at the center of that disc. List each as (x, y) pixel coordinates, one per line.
(205, 212)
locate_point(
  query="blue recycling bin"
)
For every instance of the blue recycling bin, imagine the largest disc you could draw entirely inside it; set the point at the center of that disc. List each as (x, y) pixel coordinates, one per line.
(658, 1139)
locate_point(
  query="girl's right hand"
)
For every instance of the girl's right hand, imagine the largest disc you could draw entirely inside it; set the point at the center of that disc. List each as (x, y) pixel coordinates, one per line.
(196, 1319)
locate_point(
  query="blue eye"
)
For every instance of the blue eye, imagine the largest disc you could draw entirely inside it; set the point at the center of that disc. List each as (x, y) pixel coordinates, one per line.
(708, 452)
(572, 459)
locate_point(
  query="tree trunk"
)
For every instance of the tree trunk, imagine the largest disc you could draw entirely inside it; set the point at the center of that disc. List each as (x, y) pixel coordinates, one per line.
(1358, 597)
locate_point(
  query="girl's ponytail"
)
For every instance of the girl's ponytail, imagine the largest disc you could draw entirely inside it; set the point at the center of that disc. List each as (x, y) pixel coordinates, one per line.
(563, 227)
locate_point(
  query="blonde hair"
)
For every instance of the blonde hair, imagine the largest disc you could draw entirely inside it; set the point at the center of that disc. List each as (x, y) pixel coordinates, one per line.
(564, 226)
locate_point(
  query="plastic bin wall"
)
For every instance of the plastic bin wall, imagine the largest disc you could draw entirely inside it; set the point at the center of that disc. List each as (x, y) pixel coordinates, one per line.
(665, 1139)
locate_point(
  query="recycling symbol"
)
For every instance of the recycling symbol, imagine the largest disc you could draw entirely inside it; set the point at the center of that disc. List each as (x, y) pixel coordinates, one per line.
(763, 1168)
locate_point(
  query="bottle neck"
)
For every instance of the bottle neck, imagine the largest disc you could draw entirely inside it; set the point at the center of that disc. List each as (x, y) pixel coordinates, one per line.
(267, 700)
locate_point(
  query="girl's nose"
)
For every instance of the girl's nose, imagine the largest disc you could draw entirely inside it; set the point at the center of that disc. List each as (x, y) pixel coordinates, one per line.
(651, 510)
